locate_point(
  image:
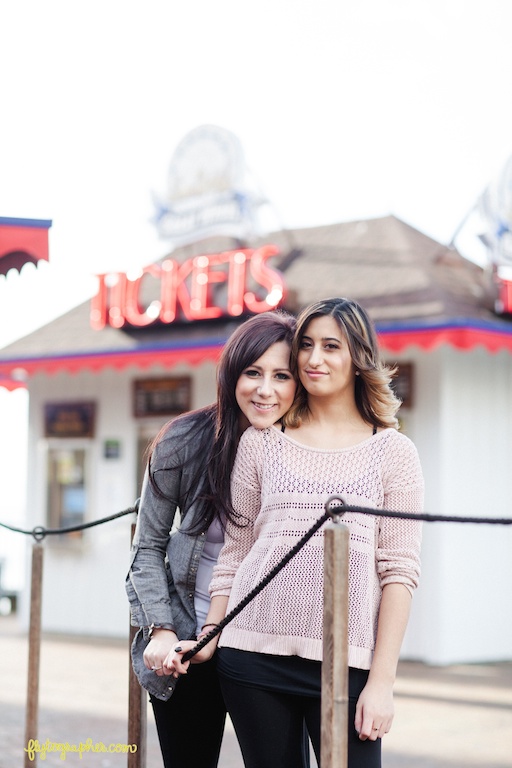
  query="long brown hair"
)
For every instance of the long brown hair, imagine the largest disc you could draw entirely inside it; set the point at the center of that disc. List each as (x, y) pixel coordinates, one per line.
(216, 429)
(374, 397)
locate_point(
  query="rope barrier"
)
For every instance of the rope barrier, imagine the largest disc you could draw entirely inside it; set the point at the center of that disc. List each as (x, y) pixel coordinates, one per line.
(335, 508)
(40, 532)
(335, 512)
(341, 508)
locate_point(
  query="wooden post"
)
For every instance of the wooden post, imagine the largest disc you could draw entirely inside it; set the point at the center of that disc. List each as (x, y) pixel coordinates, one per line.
(34, 651)
(137, 709)
(334, 730)
(137, 717)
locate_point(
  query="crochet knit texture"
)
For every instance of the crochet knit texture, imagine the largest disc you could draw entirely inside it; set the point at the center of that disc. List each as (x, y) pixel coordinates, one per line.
(280, 487)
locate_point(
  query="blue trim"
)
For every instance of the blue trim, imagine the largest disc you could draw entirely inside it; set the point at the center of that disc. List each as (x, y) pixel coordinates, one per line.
(36, 223)
(219, 341)
(176, 347)
(497, 326)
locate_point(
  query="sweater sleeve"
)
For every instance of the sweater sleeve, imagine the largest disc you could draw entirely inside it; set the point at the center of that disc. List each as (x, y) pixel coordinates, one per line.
(246, 500)
(399, 541)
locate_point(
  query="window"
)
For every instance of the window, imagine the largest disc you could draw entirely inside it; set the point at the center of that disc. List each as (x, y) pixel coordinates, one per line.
(67, 488)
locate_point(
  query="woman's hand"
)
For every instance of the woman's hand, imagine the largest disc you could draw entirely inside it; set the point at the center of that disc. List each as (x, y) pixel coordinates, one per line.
(174, 664)
(161, 644)
(374, 711)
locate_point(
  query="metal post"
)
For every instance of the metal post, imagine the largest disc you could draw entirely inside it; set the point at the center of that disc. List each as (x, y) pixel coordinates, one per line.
(34, 650)
(137, 710)
(334, 730)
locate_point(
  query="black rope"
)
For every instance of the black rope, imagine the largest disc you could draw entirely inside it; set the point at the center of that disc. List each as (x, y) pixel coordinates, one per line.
(40, 532)
(335, 512)
(341, 508)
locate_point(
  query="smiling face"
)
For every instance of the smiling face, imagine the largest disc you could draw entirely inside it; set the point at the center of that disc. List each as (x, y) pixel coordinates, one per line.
(265, 390)
(324, 362)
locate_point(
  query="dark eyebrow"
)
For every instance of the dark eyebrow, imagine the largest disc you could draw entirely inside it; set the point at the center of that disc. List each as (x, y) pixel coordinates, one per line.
(274, 370)
(324, 338)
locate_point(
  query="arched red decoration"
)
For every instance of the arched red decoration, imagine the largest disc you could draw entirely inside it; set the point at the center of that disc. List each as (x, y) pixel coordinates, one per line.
(22, 241)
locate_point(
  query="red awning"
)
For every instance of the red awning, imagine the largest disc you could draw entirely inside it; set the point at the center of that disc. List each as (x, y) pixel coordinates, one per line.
(14, 372)
(22, 241)
(10, 384)
(462, 335)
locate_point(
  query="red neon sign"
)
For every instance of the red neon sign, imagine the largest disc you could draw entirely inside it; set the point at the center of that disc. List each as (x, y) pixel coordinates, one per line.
(200, 288)
(504, 303)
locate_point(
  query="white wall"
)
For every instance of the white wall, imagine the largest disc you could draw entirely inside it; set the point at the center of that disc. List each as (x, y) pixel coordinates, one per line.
(477, 566)
(421, 425)
(462, 611)
(13, 462)
(83, 590)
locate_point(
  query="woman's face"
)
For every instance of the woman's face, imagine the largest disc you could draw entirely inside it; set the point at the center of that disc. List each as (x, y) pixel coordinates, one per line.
(265, 390)
(324, 362)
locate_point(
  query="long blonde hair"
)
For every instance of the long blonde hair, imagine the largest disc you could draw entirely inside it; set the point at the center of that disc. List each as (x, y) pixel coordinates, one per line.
(374, 397)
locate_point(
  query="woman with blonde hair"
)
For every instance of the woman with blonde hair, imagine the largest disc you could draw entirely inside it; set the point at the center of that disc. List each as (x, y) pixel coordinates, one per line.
(339, 438)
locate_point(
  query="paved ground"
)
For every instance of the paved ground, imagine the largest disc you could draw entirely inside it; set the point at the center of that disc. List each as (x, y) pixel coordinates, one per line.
(446, 717)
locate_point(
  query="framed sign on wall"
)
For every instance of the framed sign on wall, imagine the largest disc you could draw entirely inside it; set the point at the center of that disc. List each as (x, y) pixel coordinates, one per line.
(73, 419)
(161, 397)
(403, 384)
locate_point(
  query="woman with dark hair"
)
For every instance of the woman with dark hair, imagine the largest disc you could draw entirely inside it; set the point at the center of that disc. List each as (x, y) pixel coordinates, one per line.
(185, 505)
(339, 438)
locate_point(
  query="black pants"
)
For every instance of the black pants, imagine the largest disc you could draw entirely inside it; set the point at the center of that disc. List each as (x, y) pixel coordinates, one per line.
(269, 725)
(190, 724)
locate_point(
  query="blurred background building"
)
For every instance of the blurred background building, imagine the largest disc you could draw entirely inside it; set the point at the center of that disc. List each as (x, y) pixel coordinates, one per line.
(104, 377)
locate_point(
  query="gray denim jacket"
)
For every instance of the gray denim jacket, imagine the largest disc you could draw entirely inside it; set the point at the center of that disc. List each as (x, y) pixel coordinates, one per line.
(161, 580)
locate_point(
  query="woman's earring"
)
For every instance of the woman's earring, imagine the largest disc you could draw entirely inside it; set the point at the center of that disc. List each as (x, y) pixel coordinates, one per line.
(357, 373)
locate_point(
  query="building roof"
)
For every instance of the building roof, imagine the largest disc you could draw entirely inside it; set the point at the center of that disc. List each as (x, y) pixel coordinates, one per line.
(399, 274)
(416, 290)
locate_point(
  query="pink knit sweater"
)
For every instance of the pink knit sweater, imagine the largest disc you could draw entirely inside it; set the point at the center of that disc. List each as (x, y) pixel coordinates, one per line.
(281, 487)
